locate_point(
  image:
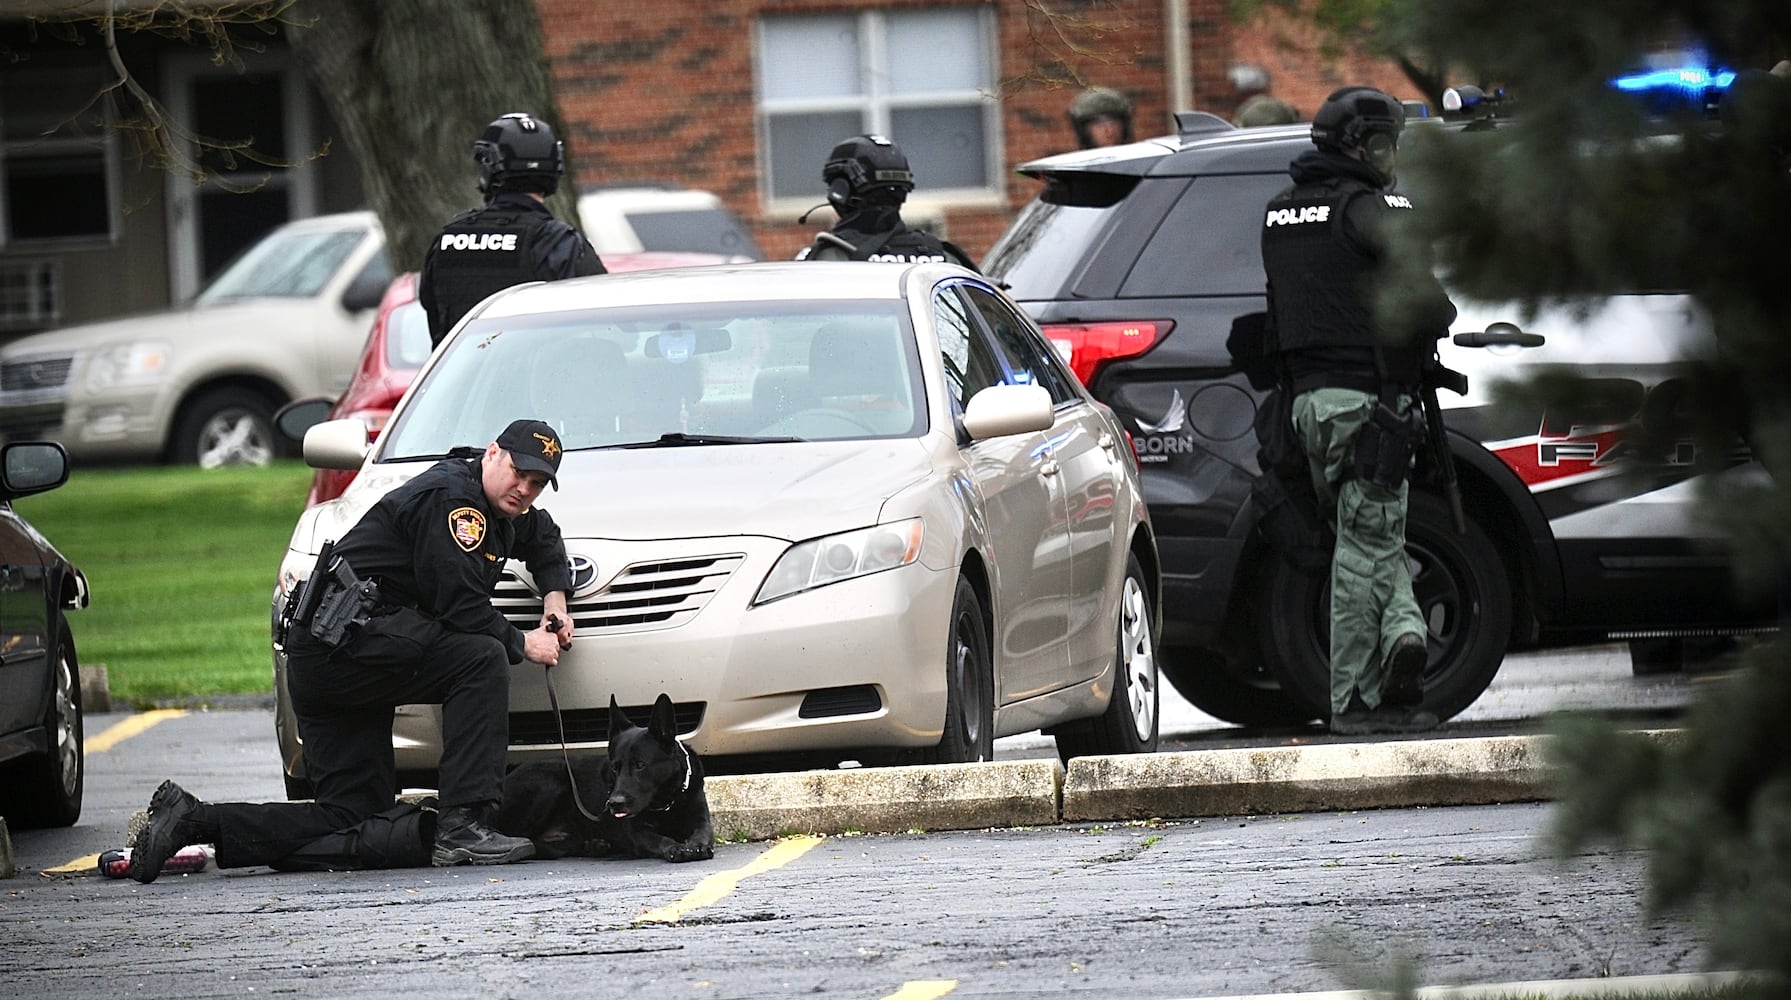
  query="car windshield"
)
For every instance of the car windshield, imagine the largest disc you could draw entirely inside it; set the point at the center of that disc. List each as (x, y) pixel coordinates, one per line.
(286, 264)
(672, 375)
(696, 230)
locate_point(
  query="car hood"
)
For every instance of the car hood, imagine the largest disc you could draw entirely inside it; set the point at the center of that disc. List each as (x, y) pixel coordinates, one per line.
(248, 315)
(788, 491)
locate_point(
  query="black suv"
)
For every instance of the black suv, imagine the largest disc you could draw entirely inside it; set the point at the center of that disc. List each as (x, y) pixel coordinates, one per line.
(1141, 262)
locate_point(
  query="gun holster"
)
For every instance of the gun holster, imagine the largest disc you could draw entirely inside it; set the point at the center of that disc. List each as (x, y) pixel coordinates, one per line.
(1385, 445)
(331, 603)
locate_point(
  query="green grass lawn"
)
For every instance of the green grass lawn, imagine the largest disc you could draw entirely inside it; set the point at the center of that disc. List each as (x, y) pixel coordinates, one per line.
(181, 562)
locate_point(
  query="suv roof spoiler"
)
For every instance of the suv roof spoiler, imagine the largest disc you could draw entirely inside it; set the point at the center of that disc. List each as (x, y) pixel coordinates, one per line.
(1189, 123)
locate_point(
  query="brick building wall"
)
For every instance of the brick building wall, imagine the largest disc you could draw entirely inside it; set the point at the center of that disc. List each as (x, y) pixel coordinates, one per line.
(665, 92)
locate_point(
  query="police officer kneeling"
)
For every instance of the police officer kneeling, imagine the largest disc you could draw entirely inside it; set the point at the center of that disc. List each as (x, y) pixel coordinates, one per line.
(867, 180)
(513, 238)
(1354, 383)
(423, 630)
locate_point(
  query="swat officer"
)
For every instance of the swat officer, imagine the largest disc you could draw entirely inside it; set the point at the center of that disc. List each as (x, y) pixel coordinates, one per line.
(1101, 116)
(433, 550)
(867, 180)
(1354, 377)
(513, 238)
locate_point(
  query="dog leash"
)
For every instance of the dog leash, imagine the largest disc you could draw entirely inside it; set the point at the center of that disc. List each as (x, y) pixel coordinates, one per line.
(553, 698)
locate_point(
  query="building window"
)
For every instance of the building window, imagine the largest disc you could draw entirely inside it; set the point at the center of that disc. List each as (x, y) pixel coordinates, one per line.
(57, 165)
(924, 77)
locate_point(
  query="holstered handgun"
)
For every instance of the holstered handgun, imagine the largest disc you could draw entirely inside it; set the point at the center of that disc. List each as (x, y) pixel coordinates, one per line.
(345, 606)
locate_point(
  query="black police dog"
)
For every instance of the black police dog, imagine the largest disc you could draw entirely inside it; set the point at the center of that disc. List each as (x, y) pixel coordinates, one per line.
(647, 794)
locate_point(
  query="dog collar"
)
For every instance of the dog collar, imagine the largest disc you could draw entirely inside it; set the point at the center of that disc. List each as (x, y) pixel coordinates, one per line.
(689, 772)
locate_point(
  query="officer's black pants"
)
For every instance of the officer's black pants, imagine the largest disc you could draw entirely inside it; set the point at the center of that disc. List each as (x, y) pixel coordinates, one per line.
(344, 701)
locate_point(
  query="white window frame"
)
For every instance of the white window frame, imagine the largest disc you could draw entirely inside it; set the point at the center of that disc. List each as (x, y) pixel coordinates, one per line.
(84, 83)
(874, 104)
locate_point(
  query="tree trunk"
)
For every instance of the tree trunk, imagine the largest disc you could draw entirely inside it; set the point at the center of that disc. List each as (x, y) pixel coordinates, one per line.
(411, 84)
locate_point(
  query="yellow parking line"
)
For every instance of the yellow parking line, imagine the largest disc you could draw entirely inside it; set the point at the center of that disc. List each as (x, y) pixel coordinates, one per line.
(124, 729)
(720, 884)
(88, 865)
(923, 989)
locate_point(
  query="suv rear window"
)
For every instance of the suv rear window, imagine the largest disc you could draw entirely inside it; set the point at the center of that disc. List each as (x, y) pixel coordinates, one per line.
(696, 230)
(1047, 242)
(1207, 245)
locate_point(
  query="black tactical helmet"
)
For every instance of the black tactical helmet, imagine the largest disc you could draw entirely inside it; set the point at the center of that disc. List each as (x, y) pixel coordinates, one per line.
(1360, 118)
(519, 151)
(866, 168)
(1350, 115)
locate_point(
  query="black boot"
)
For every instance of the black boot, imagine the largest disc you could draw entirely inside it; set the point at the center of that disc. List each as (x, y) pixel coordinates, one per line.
(463, 837)
(1404, 686)
(175, 821)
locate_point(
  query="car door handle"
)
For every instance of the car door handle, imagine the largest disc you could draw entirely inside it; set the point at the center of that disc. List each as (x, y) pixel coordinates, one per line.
(1049, 468)
(1499, 335)
(1106, 441)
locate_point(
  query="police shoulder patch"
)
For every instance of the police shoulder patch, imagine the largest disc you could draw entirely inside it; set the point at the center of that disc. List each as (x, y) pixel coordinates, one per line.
(467, 525)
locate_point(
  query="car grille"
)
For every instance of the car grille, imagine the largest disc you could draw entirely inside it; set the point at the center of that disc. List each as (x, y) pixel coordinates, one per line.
(591, 725)
(643, 597)
(27, 374)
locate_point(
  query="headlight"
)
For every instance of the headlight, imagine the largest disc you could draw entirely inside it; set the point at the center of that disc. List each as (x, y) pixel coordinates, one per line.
(139, 361)
(821, 561)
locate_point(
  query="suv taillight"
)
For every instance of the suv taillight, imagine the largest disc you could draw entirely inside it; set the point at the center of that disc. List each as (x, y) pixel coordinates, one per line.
(1088, 346)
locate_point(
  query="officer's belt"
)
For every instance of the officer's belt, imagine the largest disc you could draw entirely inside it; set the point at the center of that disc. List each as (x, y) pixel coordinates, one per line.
(1359, 381)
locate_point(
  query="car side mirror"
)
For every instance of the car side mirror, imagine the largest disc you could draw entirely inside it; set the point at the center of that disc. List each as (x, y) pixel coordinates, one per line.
(336, 444)
(366, 290)
(28, 467)
(1001, 410)
(300, 415)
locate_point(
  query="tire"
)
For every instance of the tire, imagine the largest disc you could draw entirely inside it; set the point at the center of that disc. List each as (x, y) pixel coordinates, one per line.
(226, 426)
(1201, 676)
(1131, 722)
(969, 685)
(44, 790)
(1463, 592)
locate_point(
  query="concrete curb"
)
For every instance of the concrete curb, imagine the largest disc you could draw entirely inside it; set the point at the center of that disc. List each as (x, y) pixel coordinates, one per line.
(886, 799)
(1231, 782)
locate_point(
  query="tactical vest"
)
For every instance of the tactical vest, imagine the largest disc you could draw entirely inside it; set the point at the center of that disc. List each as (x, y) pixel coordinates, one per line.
(902, 245)
(483, 251)
(1318, 274)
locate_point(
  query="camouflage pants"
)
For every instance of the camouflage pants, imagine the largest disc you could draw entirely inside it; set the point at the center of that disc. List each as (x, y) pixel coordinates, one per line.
(1371, 584)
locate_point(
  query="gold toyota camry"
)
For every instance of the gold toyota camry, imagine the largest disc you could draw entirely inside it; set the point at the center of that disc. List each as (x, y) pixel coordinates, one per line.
(837, 511)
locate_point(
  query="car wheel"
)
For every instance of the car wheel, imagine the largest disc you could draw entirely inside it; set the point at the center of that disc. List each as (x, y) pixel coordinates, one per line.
(1209, 685)
(44, 790)
(969, 685)
(1129, 725)
(228, 426)
(1462, 591)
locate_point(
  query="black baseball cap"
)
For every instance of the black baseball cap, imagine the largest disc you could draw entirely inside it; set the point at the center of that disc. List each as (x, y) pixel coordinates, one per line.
(534, 447)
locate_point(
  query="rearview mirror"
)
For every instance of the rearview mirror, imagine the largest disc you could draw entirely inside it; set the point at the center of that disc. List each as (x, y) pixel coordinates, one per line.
(1001, 410)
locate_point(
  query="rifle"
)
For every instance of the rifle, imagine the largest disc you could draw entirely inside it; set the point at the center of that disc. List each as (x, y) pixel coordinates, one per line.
(1436, 376)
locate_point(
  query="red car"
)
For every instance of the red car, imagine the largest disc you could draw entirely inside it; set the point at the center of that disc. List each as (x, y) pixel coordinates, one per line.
(398, 344)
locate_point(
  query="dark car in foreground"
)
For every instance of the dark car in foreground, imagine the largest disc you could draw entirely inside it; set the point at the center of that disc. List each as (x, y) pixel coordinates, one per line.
(42, 771)
(1142, 264)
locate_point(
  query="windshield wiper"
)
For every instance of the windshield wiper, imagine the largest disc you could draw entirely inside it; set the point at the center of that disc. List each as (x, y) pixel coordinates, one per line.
(678, 439)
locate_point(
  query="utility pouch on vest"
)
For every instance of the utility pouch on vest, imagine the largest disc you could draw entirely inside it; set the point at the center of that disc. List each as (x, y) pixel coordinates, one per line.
(1385, 445)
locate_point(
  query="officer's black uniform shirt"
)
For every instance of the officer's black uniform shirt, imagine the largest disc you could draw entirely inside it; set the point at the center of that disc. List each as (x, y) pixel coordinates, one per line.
(877, 233)
(512, 239)
(436, 545)
(1321, 244)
